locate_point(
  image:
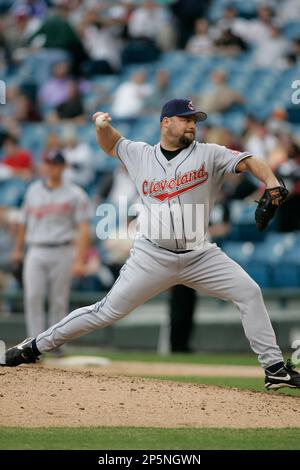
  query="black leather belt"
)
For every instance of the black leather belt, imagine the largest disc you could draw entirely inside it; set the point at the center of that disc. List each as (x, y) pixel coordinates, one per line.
(177, 252)
(52, 245)
(172, 251)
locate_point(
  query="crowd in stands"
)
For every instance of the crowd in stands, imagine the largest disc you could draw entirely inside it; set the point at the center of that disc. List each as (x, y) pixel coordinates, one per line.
(61, 60)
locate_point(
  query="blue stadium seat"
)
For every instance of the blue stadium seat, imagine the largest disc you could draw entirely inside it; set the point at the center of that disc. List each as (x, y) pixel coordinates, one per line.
(241, 252)
(286, 275)
(12, 192)
(287, 240)
(260, 272)
(292, 30)
(286, 272)
(268, 253)
(242, 213)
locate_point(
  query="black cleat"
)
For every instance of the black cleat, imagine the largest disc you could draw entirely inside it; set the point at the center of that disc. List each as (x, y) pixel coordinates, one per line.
(284, 377)
(23, 353)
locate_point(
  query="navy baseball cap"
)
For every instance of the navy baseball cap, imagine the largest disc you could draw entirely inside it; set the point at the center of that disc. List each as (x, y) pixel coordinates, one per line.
(55, 157)
(181, 107)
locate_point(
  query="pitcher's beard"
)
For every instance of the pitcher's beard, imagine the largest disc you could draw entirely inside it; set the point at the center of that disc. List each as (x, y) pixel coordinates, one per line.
(185, 141)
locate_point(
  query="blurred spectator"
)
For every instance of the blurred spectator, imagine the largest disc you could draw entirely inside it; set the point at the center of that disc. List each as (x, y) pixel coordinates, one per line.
(4, 49)
(186, 12)
(72, 108)
(269, 53)
(117, 248)
(17, 159)
(284, 149)
(201, 43)
(230, 44)
(37, 8)
(23, 26)
(221, 136)
(57, 33)
(101, 43)
(259, 141)
(229, 21)
(78, 155)
(288, 11)
(277, 123)
(150, 30)
(220, 97)
(152, 22)
(129, 97)
(257, 30)
(8, 111)
(95, 275)
(160, 94)
(26, 110)
(116, 184)
(293, 55)
(56, 89)
(289, 214)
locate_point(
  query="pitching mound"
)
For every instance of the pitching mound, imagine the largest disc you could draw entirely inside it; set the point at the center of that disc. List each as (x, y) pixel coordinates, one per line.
(39, 396)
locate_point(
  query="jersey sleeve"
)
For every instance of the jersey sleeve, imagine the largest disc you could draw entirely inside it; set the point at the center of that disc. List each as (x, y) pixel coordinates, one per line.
(83, 210)
(131, 153)
(226, 160)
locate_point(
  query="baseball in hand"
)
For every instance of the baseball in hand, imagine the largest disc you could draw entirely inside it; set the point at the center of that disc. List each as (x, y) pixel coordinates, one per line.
(101, 121)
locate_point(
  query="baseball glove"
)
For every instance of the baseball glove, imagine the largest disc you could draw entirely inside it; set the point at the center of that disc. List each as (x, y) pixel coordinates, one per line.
(268, 204)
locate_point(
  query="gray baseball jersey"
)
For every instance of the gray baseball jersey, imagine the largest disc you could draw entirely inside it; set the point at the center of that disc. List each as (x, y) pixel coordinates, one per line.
(51, 215)
(175, 192)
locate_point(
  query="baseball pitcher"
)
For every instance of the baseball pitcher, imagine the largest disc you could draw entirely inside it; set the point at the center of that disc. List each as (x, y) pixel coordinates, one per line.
(178, 180)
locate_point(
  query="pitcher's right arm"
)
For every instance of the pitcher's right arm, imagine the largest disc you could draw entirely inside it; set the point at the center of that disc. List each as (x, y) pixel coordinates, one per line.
(107, 136)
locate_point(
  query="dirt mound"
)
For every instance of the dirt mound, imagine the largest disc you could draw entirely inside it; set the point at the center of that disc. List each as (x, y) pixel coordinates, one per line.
(38, 396)
(157, 368)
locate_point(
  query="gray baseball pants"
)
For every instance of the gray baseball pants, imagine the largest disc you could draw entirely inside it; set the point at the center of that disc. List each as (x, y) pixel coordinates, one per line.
(47, 272)
(150, 270)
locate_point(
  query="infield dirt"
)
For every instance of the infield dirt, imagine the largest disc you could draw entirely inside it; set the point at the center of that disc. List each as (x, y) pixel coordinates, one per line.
(33, 396)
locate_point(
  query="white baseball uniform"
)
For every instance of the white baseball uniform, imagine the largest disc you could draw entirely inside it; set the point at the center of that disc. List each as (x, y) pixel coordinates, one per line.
(50, 216)
(168, 250)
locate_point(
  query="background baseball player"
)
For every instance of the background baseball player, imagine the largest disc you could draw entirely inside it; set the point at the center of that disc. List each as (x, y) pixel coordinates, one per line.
(173, 178)
(53, 214)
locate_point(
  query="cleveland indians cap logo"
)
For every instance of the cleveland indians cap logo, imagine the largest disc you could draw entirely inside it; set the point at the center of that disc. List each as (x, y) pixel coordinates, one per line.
(191, 106)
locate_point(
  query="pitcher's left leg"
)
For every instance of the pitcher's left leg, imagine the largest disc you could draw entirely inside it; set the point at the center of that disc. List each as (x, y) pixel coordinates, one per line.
(214, 273)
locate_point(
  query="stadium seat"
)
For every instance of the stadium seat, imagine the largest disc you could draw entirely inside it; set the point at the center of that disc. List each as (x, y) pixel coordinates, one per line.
(292, 30)
(241, 252)
(12, 192)
(286, 275)
(260, 272)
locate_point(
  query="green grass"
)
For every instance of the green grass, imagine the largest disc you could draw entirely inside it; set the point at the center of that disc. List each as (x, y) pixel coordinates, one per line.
(197, 358)
(148, 438)
(244, 383)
